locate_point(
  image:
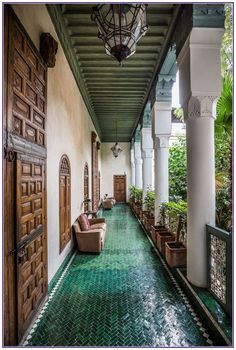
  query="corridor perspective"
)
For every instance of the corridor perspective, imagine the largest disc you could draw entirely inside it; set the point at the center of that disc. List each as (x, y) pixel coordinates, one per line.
(118, 182)
(123, 297)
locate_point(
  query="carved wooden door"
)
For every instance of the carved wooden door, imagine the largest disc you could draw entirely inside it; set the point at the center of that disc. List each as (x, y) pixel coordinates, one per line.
(86, 187)
(25, 183)
(120, 188)
(95, 176)
(31, 238)
(64, 202)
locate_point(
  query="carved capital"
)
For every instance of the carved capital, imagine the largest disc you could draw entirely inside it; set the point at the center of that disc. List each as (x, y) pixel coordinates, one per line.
(147, 153)
(161, 141)
(200, 107)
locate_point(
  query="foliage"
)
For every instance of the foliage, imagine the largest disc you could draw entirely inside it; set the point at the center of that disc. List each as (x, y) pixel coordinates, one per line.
(179, 113)
(135, 194)
(178, 170)
(176, 216)
(227, 41)
(223, 124)
(149, 200)
(223, 156)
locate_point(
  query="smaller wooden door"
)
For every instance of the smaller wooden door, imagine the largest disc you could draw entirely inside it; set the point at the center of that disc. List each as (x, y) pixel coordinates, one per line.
(64, 202)
(120, 188)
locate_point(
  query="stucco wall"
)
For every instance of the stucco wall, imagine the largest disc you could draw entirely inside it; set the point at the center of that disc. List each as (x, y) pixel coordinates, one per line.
(68, 131)
(114, 166)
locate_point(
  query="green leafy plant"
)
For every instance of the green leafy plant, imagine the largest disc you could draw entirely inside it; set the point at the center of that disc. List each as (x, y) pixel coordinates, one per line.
(176, 216)
(178, 170)
(149, 201)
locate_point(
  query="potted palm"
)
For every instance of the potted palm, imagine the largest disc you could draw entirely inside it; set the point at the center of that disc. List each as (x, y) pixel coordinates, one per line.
(160, 233)
(176, 251)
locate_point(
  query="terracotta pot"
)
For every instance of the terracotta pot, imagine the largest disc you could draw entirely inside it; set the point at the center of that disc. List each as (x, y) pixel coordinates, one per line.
(176, 254)
(154, 229)
(163, 236)
(144, 215)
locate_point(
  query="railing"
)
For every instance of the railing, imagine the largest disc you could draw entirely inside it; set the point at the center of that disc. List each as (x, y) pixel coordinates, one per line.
(219, 265)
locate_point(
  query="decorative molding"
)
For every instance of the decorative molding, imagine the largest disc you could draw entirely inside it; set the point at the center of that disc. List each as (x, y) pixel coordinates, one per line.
(197, 15)
(147, 115)
(61, 30)
(147, 153)
(161, 141)
(48, 49)
(93, 136)
(200, 107)
(19, 144)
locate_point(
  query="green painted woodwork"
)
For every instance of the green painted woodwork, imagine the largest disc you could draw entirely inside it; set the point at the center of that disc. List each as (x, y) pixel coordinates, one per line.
(147, 116)
(112, 92)
(123, 297)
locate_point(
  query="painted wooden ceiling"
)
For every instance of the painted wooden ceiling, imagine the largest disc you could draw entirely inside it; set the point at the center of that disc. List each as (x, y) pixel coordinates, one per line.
(114, 92)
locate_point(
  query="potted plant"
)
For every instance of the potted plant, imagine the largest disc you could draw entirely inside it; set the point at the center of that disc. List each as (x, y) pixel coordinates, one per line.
(138, 195)
(149, 203)
(160, 233)
(131, 196)
(176, 251)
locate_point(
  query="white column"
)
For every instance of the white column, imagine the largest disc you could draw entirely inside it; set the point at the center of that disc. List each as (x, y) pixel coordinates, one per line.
(161, 131)
(147, 156)
(200, 86)
(138, 165)
(132, 167)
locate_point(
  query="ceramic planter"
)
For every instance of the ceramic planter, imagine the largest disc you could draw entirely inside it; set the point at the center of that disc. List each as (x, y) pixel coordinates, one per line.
(163, 236)
(148, 222)
(176, 254)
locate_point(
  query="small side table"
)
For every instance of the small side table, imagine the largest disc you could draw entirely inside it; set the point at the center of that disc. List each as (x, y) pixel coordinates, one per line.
(92, 213)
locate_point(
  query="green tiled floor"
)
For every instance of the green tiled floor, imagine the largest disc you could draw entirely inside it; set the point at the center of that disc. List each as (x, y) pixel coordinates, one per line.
(122, 297)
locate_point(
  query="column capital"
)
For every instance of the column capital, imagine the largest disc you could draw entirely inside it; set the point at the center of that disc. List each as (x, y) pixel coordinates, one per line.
(199, 66)
(147, 153)
(203, 106)
(161, 141)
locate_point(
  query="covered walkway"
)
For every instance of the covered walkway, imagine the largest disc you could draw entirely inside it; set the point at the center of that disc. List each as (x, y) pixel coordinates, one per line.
(123, 297)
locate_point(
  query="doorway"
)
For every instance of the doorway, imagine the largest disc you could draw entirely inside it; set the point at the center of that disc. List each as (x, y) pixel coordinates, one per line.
(120, 188)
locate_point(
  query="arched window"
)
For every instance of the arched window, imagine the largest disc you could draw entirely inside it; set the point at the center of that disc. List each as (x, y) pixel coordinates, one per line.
(64, 201)
(86, 186)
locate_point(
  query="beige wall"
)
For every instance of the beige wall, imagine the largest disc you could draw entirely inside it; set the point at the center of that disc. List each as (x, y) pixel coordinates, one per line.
(68, 131)
(114, 166)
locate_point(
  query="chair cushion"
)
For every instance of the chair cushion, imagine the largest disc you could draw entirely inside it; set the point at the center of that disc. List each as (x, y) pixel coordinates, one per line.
(84, 222)
(100, 225)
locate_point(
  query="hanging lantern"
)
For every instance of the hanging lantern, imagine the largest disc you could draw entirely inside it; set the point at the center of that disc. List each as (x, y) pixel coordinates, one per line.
(116, 149)
(120, 26)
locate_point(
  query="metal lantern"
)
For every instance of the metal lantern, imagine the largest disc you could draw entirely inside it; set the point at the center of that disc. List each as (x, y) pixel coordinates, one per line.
(116, 149)
(120, 26)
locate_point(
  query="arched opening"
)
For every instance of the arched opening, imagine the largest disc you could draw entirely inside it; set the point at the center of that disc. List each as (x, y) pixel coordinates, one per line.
(64, 201)
(86, 187)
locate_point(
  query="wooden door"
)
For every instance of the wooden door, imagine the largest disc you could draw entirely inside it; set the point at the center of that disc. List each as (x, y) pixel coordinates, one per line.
(30, 238)
(86, 187)
(25, 234)
(120, 188)
(95, 175)
(64, 202)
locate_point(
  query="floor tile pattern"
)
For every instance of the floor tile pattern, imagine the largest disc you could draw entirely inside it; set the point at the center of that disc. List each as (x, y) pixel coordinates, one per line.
(123, 297)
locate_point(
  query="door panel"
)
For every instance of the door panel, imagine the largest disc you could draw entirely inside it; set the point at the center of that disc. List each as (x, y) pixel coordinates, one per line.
(25, 180)
(31, 239)
(64, 202)
(120, 188)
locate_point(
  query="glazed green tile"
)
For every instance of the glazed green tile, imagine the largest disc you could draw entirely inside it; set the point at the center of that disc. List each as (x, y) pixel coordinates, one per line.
(122, 297)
